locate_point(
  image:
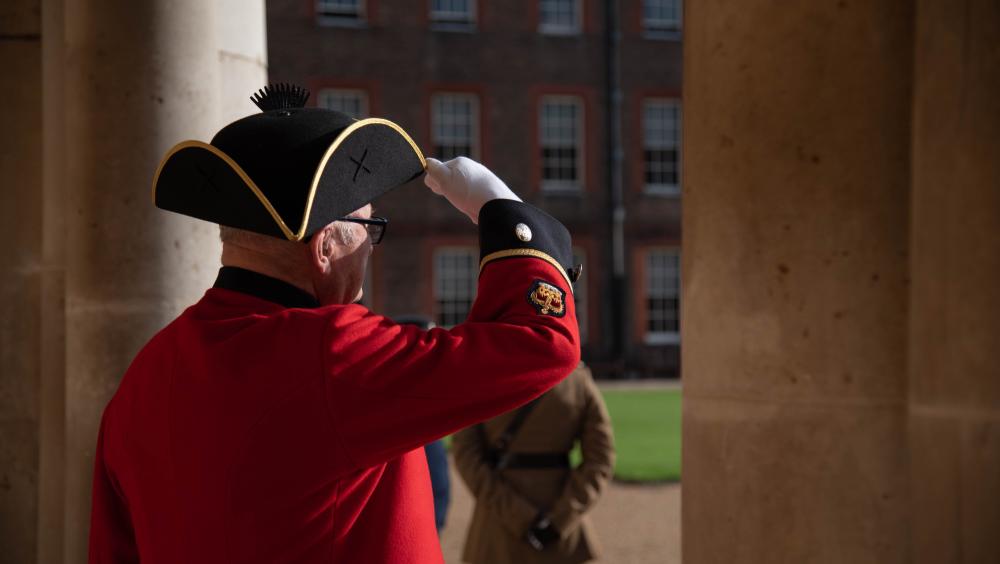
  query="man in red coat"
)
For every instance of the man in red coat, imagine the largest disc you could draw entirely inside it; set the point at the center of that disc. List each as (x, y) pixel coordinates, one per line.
(278, 421)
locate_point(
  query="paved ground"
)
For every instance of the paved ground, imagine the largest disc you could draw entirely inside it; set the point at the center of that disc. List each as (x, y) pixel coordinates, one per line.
(637, 524)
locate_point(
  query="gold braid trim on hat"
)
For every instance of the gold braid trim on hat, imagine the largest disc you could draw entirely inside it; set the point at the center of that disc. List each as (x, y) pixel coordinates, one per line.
(236, 168)
(300, 234)
(333, 148)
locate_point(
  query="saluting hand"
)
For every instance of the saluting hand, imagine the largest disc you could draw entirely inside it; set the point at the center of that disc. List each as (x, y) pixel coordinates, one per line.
(467, 185)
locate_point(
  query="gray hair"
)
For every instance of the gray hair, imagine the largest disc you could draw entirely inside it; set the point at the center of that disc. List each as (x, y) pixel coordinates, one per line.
(347, 232)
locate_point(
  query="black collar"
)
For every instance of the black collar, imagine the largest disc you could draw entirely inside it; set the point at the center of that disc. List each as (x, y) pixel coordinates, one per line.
(264, 287)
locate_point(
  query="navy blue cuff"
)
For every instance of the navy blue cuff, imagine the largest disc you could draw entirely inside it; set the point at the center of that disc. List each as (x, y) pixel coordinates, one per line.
(509, 229)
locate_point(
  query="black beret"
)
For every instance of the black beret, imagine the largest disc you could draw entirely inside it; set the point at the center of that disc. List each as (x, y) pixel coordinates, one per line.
(288, 171)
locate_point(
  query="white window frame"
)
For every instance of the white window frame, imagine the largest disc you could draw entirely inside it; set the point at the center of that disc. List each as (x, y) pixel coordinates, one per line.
(324, 94)
(580, 289)
(554, 185)
(335, 13)
(661, 188)
(651, 337)
(441, 122)
(462, 286)
(663, 28)
(549, 28)
(453, 20)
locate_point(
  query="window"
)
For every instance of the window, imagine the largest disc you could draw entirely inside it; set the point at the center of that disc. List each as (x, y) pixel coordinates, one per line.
(456, 272)
(559, 16)
(661, 122)
(351, 102)
(663, 284)
(662, 18)
(580, 292)
(455, 125)
(560, 131)
(453, 14)
(340, 12)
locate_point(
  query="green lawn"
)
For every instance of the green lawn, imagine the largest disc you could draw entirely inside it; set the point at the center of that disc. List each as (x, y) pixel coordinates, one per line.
(647, 427)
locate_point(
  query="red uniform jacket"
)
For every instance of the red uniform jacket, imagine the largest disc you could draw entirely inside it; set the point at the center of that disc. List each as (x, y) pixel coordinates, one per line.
(251, 430)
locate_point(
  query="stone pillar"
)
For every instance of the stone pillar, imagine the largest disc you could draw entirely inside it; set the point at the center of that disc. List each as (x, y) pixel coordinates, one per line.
(140, 76)
(795, 281)
(955, 298)
(52, 391)
(96, 91)
(20, 260)
(242, 56)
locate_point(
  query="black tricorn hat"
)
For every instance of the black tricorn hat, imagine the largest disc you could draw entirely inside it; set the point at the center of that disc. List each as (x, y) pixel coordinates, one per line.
(288, 171)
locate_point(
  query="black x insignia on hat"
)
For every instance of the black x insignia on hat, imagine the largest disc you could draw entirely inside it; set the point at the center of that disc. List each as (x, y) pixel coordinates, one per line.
(208, 178)
(361, 165)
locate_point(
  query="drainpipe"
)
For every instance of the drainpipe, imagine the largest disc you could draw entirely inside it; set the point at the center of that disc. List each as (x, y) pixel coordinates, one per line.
(619, 287)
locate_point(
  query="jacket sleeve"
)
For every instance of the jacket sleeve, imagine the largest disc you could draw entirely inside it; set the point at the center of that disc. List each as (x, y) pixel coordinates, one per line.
(112, 540)
(393, 388)
(587, 480)
(489, 488)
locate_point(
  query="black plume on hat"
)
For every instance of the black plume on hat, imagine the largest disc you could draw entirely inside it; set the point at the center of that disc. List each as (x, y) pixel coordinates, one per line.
(280, 96)
(287, 171)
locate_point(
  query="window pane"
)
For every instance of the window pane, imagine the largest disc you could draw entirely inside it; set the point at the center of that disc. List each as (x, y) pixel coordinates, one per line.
(456, 272)
(661, 168)
(661, 143)
(662, 294)
(559, 16)
(453, 11)
(455, 125)
(661, 15)
(340, 9)
(351, 102)
(560, 140)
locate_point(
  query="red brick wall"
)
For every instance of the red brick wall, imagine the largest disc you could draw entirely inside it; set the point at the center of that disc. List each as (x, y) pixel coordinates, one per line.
(399, 60)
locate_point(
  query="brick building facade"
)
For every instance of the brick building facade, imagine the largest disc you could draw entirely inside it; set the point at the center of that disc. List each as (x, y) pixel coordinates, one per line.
(525, 87)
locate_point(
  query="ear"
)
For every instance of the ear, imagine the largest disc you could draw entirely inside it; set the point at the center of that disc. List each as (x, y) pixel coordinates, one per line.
(321, 248)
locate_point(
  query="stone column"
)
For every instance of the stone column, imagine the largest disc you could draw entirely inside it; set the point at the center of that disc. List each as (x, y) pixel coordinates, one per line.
(140, 76)
(955, 298)
(242, 56)
(52, 391)
(795, 281)
(20, 260)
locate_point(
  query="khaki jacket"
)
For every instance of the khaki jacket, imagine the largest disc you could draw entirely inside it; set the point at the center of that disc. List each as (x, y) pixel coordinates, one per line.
(508, 501)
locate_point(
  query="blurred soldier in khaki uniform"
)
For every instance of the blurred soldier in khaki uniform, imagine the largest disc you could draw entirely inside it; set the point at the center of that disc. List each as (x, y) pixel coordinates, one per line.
(530, 505)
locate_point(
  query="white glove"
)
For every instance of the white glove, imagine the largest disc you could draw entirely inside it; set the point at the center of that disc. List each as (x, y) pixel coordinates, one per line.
(467, 185)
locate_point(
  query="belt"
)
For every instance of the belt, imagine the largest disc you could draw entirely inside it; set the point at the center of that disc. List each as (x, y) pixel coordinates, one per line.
(532, 460)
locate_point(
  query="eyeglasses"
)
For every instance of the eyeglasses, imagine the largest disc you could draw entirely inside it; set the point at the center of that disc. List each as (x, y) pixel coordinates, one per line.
(375, 226)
